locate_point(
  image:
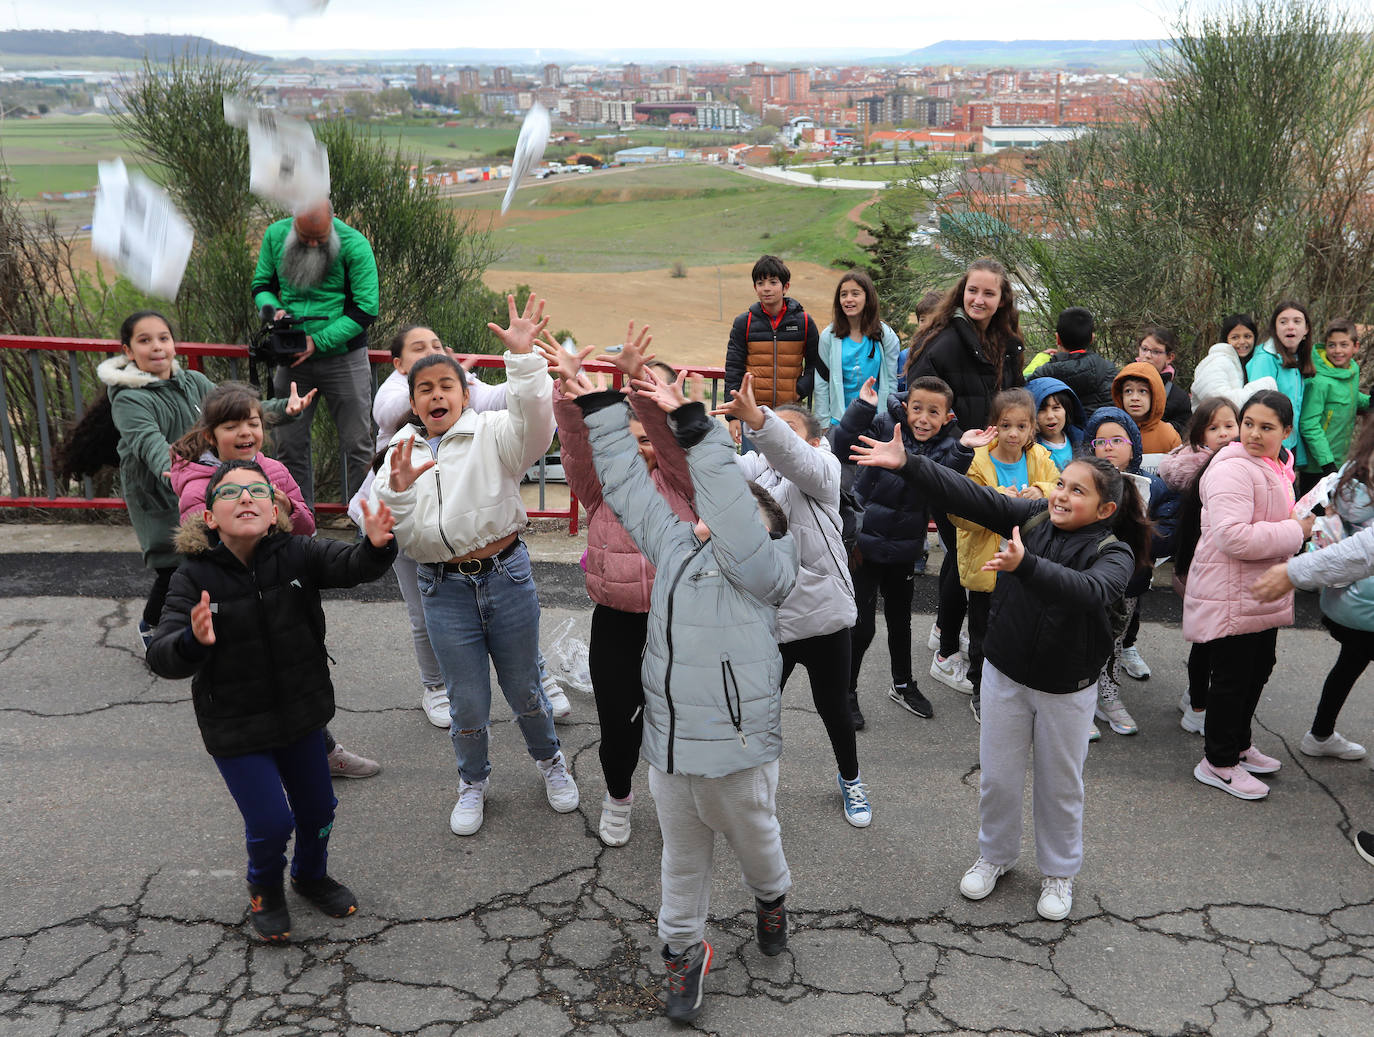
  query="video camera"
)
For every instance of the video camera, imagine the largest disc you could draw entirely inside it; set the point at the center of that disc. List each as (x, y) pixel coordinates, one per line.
(279, 340)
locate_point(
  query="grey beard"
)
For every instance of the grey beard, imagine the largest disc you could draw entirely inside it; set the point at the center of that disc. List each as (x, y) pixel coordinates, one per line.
(305, 267)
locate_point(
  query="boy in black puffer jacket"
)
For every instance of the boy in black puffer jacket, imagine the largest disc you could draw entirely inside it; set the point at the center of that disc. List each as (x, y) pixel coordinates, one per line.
(243, 619)
(895, 523)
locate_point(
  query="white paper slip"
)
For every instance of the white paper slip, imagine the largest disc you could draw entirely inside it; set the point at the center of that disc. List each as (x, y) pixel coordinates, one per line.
(529, 148)
(286, 164)
(136, 226)
(300, 8)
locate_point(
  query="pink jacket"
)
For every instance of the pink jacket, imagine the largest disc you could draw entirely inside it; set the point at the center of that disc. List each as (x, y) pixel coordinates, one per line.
(618, 576)
(190, 478)
(1246, 528)
(1179, 467)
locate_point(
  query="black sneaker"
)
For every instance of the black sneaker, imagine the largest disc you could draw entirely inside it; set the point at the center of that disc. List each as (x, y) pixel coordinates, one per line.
(976, 705)
(771, 926)
(333, 898)
(920, 567)
(267, 911)
(1364, 845)
(685, 973)
(909, 697)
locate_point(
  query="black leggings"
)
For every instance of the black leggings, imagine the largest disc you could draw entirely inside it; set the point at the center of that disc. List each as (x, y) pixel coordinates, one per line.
(979, 606)
(1199, 673)
(157, 597)
(953, 605)
(895, 581)
(1241, 665)
(614, 657)
(826, 658)
(1357, 650)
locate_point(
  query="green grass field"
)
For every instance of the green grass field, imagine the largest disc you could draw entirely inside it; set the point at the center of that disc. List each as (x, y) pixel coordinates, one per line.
(654, 217)
(57, 153)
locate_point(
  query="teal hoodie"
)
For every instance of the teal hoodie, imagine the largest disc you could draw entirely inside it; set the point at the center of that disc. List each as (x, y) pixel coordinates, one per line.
(1330, 400)
(1265, 360)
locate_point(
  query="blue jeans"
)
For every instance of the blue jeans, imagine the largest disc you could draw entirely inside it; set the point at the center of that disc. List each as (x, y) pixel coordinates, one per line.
(277, 791)
(496, 615)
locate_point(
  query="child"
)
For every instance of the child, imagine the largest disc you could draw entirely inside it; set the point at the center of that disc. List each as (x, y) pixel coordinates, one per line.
(855, 346)
(1330, 400)
(1240, 507)
(453, 482)
(243, 620)
(925, 308)
(796, 466)
(774, 339)
(619, 578)
(1140, 392)
(1158, 347)
(1059, 418)
(1008, 459)
(1286, 356)
(1066, 560)
(712, 673)
(153, 402)
(1075, 363)
(1215, 422)
(1223, 371)
(894, 530)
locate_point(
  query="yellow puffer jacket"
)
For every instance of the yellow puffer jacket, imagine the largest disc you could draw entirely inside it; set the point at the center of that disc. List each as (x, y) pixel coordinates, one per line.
(976, 545)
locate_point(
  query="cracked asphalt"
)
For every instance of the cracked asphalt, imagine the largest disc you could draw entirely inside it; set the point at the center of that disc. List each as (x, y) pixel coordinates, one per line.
(122, 863)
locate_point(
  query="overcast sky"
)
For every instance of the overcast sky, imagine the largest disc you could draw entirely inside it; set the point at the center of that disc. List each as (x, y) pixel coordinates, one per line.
(885, 26)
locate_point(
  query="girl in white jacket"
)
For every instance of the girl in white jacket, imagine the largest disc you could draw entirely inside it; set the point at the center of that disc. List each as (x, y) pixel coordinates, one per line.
(1222, 371)
(453, 485)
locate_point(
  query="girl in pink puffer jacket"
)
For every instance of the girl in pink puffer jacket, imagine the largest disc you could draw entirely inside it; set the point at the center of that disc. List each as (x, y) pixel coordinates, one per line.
(1245, 494)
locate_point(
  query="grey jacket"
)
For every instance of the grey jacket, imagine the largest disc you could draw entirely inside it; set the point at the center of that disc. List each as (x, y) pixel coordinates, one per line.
(1339, 565)
(805, 481)
(711, 669)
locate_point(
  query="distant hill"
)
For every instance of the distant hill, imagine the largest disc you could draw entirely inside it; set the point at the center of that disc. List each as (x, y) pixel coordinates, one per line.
(1105, 55)
(78, 43)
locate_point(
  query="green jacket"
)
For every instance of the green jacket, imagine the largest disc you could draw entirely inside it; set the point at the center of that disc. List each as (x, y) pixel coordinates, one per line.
(1330, 400)
(348, 297)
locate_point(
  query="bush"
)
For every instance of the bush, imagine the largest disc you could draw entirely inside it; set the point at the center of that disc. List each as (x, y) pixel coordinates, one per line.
(679, 269)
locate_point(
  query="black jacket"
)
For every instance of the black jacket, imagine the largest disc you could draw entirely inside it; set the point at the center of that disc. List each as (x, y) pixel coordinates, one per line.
(1087, 373)
(753, 325)
(1048, 626)
(1178, 407)
(264, 683)
(895, 520)
(956, 355)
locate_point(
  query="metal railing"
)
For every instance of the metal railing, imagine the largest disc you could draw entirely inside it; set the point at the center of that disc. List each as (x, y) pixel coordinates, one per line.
(59, 392)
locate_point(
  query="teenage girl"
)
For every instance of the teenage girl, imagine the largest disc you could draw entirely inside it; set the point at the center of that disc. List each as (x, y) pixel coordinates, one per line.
(1066, 560)
(854, 347)
(1286, 356)
(1216, 422)
(1224, 370)
(1241, 509)
(1008, 459)
(794, 463)
(243, 620)
(153, 402)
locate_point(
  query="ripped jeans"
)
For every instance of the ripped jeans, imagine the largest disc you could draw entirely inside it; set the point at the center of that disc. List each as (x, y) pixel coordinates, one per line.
(471, 618)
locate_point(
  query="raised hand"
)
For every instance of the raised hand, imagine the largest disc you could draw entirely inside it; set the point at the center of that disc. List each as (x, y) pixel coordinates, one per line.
(403, 469)
(524, 327)
(1007, 559)
(282, 501)
(562, 363)
(868, 393)
(976, 437)
(633, 354)
(880, 453)
(668, 397)
(581, 385)
(1274, 584)
(202, 621)
(296, 403)
(377, 524)
(743, 406)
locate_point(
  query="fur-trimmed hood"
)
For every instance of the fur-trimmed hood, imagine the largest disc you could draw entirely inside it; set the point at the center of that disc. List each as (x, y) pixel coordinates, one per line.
(194, 537)
(121, 372)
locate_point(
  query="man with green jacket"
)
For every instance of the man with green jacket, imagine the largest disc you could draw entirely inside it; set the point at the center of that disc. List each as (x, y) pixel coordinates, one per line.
(317, 266)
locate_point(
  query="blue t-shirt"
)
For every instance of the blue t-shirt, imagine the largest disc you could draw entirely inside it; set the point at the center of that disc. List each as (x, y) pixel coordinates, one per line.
(1014, 476)
(1061, 454)
(861, 361)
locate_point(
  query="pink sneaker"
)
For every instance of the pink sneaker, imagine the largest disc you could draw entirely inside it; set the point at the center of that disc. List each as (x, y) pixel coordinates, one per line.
(1234, 780)
(1256, 762)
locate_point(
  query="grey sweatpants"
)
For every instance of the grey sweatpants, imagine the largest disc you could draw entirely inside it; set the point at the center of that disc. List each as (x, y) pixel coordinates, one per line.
(407, 578)
(345, 382)
(1017, 719)
(691, 810)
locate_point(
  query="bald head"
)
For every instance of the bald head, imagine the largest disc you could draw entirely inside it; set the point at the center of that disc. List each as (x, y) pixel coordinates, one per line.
(314, 224)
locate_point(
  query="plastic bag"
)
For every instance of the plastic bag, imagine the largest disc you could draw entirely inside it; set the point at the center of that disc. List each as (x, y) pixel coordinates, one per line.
(569, 653)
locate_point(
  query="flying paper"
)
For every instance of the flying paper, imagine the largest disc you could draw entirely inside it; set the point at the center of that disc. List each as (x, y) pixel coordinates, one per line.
(136, 226)
(298, 8)
(286, 164)
(529, 148)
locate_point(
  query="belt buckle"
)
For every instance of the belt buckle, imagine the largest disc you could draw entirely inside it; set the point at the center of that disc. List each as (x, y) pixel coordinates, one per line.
(476, 564)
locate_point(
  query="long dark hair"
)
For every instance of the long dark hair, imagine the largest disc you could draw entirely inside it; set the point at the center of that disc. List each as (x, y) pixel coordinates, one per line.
(126, 329)
(1003, 332)
(870, 324)
(1129, 522)
(232, 401)
(1204, 415)
(1302, 356)
(1359, 469)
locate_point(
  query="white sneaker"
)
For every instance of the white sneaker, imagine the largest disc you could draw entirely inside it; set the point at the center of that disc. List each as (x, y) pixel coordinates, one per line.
(933, 641)
(1056, 899)
(1194, 721)
(1185, 704)
(981, 879)
(1336, 745)
(562, 708)
(615, 821)
(952, 672)
(434, 701)
(467, 812)
(1094, 735)
(559, 784)
(1133, 664)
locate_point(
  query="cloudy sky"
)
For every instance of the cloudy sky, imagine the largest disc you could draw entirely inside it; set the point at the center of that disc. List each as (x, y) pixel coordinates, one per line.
(260, 25)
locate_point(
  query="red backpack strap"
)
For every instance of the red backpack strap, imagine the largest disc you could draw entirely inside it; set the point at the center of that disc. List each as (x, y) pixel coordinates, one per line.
(748, 323)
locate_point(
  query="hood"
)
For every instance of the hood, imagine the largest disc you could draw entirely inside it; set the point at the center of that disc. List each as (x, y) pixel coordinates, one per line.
(1225, 351)
(1139, 369)
(194, 537)
(1045, 386)
(120, 372)
(1337, 374)
(1116, 414)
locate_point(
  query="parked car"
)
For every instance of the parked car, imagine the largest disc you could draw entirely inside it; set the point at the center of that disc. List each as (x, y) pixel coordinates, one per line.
(553, 470)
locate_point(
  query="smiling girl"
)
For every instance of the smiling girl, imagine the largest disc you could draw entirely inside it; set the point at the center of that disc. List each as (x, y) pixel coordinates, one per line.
(855, 347)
